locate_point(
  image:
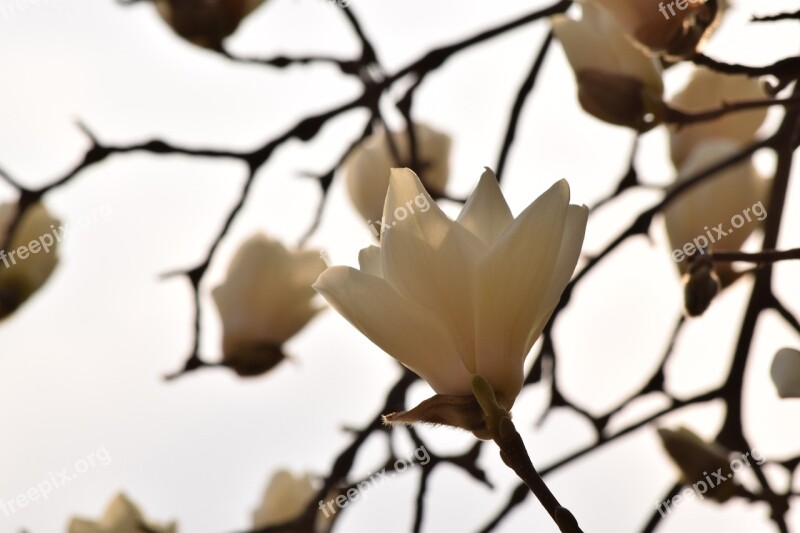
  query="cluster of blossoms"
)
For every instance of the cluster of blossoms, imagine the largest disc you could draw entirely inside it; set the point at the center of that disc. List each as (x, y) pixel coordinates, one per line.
(618, 50)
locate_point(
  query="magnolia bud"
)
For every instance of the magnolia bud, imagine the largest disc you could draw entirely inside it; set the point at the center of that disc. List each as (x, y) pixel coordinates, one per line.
(785, 373)
(617, 82)
(205, 23)
(31, 258)
(721, 212)
(698, 460)
(265, 300)
(368, 167)
(700, 286)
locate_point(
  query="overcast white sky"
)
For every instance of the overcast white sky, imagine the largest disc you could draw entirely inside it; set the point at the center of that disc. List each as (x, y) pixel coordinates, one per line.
(81, 364)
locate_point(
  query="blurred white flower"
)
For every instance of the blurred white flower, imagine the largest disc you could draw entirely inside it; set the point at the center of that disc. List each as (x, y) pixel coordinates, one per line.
(22, 274)
(617, 82)
(708, 90)
(696, 212)
(368, 167)
(205, 22)
(121, 516)
(785, 373)
(265, 299)
(696, 458)
(453, 299)
(285, 498)
(662, 26)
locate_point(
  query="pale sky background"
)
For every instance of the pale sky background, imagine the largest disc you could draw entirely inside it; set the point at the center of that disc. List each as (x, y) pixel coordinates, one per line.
(81, 364)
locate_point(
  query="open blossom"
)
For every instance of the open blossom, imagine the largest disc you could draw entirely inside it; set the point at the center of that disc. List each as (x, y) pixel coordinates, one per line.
(207, 22)
(709, 90)
(265, 299)
(121, 516)
(367, 169)
(617, 82)
(285, 498)
(451, 299)
(674, 28)
(27, 263)
(785, 372)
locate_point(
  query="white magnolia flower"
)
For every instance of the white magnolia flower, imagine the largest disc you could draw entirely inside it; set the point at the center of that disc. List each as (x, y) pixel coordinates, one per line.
(617, 82)
(709, 90)
(368, 167)
(121, 516)
(454, 299)
(662, 26)
(266, 299)
(285, 498)
(31, 257)
(785, 373)
(706, 213)
(206, 22)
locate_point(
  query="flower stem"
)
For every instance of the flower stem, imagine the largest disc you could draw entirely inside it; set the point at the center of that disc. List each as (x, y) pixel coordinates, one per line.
(514, 454)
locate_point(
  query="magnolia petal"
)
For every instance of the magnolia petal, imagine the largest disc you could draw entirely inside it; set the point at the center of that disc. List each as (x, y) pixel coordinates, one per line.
(486, 214)
(434, 153)
(369, 260)
(695, 213)
(82, 525)
(305, 267)
(598, 43)
(513, 278)
(695, 458)
(431, 260)
(461, 412)
(21, 278)
(285, 498)
(367, 172)
(36, 223)
(121, 516)
(368, 167)
(568, 255)
(267, 293)
(708, 90)
(405, 331)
